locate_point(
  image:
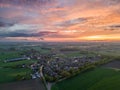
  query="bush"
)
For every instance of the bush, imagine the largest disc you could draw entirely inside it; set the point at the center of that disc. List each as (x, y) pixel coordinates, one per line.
(20, 77)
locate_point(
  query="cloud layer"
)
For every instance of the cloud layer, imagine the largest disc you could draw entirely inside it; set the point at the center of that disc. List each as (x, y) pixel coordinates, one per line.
(57, 20)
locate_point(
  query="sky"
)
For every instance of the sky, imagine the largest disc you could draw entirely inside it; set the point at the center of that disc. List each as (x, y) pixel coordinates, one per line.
(59, 20)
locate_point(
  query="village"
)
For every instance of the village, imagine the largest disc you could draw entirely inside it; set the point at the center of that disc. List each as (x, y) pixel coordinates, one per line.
(55, 68)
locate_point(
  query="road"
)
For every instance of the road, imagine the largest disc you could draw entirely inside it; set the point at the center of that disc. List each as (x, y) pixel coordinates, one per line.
(48, 85)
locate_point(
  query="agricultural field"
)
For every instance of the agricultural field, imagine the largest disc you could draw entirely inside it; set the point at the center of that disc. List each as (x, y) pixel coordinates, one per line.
(114, 64)
(97, 79)
(23, 85)
(10, 75)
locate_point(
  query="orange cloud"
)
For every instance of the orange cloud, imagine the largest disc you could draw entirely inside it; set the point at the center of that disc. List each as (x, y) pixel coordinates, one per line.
(74, 20)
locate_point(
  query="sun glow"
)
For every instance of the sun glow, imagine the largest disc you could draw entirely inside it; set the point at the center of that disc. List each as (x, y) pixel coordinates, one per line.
(69, 31)
(102, 37)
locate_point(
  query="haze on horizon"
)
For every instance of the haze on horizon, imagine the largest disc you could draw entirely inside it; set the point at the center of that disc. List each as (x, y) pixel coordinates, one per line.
(59, 20)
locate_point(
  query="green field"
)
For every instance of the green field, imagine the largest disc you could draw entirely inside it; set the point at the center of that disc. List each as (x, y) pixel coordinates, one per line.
(10, 75)
(97, 79)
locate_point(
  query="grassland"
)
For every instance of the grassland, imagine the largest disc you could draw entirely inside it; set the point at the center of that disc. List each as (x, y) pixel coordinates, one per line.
(97, 79)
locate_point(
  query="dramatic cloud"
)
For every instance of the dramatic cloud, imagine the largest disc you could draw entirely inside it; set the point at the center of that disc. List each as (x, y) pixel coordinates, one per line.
(72, 22)
(56, 20)
(5, 22)
(113, 27)
(2, 24)
(17, 34)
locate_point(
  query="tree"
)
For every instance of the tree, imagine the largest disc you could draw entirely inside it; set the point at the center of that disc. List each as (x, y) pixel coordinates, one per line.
(65, 74)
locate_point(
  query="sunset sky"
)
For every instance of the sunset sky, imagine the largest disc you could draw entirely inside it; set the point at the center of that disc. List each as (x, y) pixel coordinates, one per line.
(59, 20)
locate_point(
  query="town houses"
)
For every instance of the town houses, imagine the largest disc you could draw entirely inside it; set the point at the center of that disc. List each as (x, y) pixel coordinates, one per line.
(53, 65)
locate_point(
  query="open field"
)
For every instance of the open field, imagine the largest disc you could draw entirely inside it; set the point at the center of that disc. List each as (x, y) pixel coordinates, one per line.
(23, 85)
(113, 64)
(97, 79)
(10, 75)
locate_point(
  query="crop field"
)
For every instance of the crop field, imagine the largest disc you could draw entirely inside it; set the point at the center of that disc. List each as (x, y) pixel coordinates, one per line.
(97, 79)
(23, 85)
(113, 64)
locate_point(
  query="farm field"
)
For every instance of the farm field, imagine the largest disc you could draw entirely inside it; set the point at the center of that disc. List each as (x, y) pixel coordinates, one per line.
(23, 85)
(113, 64)
(97, 79)
(10, 75)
